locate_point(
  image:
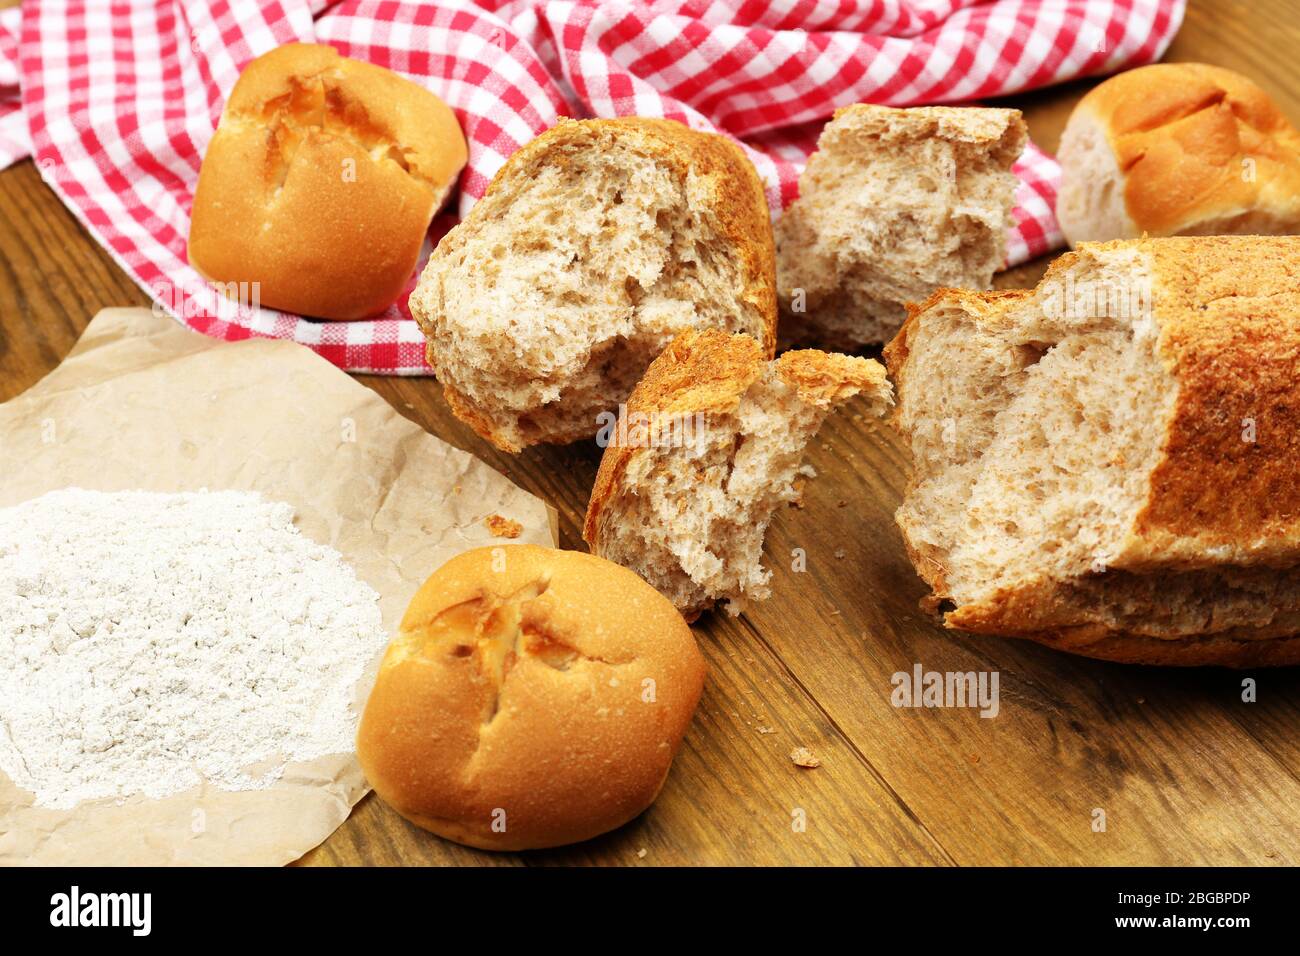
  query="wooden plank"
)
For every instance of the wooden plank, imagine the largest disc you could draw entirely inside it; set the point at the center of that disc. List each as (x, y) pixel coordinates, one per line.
(53, 278)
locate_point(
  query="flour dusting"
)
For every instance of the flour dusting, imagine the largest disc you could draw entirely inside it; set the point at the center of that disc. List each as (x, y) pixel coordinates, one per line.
(150, 642)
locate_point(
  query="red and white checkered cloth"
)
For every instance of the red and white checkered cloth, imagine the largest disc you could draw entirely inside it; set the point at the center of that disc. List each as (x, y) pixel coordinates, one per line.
(119, 97)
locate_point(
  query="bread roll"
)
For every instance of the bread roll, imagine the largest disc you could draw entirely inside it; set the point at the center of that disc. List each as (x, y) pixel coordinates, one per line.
(1178, 149)
(595, 244)
(532, 698)
(893, 205)
(1107, 464)
(709, 446)
(320, 182)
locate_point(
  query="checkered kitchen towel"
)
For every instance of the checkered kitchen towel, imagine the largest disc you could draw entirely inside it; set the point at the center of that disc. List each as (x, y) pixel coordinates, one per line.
(119, 97)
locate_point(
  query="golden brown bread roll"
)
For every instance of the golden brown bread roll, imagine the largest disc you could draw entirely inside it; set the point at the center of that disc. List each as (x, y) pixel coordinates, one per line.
(532, 698)
(320, 182)
(1178, 149)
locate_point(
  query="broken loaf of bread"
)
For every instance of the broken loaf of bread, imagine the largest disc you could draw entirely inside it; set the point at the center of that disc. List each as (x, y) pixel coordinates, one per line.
(594, 245)
(1107, 464)
(895, 204)
(709, 445)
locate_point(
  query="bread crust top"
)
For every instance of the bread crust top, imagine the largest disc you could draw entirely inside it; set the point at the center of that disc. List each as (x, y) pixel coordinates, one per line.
(1182, 134)
(729, 180)
(358, 98)
(1227, 485)
(550, 724)
(963, 124)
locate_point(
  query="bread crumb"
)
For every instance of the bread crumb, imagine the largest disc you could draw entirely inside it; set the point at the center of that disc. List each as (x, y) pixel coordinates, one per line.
(767, 730)
(503, 527)
(839, 554)
(797, 486)
(803, 757)
(640, 854)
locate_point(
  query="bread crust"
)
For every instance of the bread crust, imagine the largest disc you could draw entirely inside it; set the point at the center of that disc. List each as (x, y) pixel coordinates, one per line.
(1184, 137)
(828, 378)
(320, 182)
(556, 737)
(709, 371)
(1225, 489)
(1223, 493)
(705, 371)
(736, 201)
(1274, 645)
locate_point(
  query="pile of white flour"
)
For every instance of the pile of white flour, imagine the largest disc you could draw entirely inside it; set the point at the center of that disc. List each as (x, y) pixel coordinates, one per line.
(149, 642)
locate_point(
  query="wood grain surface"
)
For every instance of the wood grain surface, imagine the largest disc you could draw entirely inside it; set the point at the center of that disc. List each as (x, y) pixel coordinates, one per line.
(1184, 770)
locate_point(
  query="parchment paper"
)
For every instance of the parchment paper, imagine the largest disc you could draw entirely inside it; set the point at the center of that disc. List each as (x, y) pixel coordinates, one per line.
(141, 402)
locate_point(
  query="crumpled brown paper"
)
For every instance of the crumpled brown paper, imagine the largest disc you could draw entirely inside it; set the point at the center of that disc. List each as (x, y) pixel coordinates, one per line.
(142, 403)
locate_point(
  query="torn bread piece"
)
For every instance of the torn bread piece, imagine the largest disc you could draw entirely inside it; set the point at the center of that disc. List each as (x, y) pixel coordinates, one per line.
(1107, 464)
(593, 247)
(709, 445)
(895, 204)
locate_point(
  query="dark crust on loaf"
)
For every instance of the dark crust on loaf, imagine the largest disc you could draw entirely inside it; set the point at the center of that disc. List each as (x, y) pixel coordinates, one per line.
(1008, 612)
(1229, 314)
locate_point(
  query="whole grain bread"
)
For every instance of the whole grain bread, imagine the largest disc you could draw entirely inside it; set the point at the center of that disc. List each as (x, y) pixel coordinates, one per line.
(710, 444)
(1107, 463)
(593, 247)
(894, 204)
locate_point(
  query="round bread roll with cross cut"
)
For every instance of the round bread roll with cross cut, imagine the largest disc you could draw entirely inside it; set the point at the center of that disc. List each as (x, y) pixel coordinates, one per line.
(1178, 149)
(320, 182)
(532, 698)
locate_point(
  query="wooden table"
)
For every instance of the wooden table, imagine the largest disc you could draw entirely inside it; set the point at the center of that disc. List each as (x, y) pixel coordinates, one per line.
(1184, 771)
